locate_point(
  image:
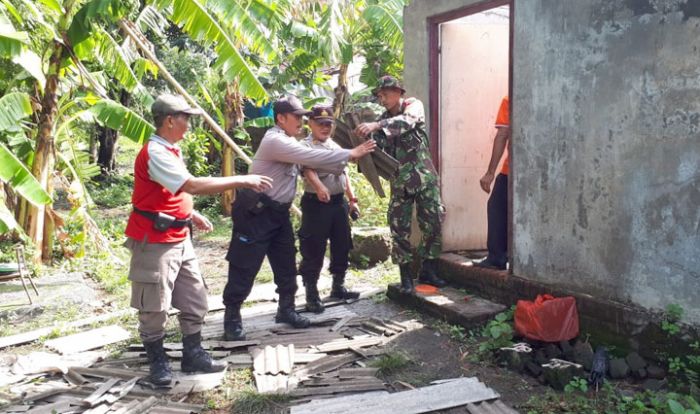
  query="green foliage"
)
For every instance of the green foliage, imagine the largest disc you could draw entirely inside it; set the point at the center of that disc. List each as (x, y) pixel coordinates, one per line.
(610, 401)
(576, 384)
(114, 191)
(372, 207)
(391, 363)
(498, 332)
(684, 368)
(251, 402)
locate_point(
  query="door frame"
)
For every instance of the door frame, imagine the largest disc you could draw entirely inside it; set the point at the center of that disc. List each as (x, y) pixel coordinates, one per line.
(434, 46)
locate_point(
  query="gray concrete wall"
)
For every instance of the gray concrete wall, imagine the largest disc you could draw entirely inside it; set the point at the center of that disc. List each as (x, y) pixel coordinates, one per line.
(606, 149)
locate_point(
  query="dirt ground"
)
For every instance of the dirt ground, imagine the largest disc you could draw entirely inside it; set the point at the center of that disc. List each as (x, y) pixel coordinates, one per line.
(431, 352)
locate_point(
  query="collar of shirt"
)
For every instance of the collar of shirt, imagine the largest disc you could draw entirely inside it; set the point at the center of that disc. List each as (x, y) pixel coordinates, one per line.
(162, 141)
(326, 143)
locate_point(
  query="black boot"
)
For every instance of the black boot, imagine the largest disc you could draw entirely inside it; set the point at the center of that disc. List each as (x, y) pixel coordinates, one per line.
(339, 291)
(233, 324)
(406, 278)
(160, 373)
(313, 300)
(287, 314)
(195, 358)
(428, 274)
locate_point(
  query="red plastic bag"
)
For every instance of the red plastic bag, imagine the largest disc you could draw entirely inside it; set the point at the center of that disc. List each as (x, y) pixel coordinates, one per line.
(547, 319)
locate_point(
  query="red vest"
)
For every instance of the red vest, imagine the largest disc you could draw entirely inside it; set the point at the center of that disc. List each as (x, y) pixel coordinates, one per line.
(150, 196)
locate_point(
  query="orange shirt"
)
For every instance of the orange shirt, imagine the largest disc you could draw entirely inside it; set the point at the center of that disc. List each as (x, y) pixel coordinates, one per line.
(503, 121)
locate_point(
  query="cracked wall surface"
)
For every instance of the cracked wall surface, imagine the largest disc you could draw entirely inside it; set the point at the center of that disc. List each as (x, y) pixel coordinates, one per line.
(606, 149)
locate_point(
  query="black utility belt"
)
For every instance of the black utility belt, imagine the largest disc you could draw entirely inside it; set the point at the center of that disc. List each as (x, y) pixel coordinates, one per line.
(162, 221)
(335, 198)
(256, 202)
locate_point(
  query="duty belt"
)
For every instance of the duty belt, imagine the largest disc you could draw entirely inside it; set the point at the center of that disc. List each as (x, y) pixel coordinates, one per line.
(176, 224)
(335, 198)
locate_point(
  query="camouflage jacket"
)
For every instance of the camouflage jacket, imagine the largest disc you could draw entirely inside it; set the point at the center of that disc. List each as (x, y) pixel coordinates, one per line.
(404, 137)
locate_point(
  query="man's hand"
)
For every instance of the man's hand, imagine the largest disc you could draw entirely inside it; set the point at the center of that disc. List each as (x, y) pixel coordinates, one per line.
(486, 181)
(258, 183)
(201, 222)
(323, 194)
(362, 149)
(354, 208)
(367, 128)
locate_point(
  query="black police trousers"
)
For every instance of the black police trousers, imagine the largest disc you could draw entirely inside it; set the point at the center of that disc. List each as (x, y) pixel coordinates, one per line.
(259, 230)
(321, 222)
(497, 212)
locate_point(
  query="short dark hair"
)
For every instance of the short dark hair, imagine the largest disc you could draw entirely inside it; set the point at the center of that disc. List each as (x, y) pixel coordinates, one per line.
(159, 119)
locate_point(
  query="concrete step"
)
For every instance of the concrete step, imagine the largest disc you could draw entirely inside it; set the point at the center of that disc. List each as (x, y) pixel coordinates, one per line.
(450, 304)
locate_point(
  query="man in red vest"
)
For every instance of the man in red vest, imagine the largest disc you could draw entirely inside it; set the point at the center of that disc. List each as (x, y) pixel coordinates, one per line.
(164, 270)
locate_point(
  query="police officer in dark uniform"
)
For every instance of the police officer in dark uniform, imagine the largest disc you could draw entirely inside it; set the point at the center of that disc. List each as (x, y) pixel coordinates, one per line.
(261, 223)
(325, 216)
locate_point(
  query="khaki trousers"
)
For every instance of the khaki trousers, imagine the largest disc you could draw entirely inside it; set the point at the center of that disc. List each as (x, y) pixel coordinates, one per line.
(165, 274)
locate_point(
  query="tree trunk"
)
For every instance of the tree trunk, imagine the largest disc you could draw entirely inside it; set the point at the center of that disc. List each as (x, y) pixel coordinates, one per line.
(44, 154)
(233, 118)
(107, 153)
(341, 91)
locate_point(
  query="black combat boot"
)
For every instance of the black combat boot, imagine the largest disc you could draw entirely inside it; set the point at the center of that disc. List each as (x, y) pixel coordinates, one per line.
(406, 278)
(428, 274)
(195, 358)
(287, 314)
(313, 300)
(233, 324)
(339, 291)
(160, 373)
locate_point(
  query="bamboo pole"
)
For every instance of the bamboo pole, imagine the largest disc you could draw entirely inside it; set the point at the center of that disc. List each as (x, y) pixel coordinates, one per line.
(175, 84)
(133, 33)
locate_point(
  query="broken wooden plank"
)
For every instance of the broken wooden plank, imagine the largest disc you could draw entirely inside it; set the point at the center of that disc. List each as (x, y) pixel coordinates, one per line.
(32, 336)
(88, 340)
(340, 345)
(324, 364)
(306, 357)
(96, 396)
(357, 372)
(74, 378)
(337, 389)
(456, 393)
(53, 408)
(341, 323)
(99, 409)
(108, 372)
(116, 393)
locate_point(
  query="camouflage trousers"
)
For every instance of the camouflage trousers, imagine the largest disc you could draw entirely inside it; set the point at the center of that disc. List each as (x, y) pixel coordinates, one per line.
(429, 212)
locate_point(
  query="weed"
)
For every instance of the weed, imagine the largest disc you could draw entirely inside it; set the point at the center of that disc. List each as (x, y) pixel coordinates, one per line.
(391, 363)
(251, 402)
(576, 384)
(498, 332)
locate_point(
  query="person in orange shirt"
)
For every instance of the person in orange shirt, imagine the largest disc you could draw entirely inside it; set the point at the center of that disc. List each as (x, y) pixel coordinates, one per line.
(497, 208)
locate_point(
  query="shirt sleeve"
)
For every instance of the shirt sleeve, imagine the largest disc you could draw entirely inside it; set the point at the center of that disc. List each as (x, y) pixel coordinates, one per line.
(290, 151)
(166, 168)
(503, 116)
(413, 113)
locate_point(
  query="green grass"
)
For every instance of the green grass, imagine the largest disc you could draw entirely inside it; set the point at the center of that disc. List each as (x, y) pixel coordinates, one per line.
(251, 402)
(391, 363)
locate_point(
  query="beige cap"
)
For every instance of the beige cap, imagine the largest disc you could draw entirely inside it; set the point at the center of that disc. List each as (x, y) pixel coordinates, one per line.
(167, 104)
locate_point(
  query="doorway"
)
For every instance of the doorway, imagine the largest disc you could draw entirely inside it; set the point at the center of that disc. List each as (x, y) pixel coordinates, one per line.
(470, 54)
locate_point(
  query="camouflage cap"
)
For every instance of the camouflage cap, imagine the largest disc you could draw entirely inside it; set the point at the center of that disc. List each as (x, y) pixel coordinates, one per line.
(322, 114)
(388, 82)
(167, 104)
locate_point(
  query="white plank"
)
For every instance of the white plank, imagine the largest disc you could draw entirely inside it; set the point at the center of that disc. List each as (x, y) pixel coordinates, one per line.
(32, 336)
(88, 340)
(420, 400)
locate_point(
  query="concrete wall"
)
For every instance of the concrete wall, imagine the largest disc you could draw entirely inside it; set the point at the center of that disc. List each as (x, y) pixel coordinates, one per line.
(606, 144)
(606, 149)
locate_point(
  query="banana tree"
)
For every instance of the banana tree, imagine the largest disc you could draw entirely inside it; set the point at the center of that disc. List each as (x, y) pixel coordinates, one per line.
(67, 33)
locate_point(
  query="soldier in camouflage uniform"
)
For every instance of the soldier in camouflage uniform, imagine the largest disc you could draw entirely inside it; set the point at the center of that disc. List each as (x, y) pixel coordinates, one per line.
(401, 133)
